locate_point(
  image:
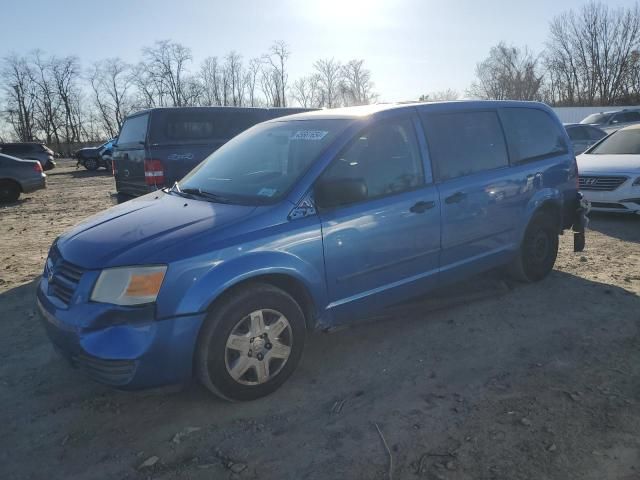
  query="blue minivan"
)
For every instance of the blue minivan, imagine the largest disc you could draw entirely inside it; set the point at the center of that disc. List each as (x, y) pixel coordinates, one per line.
(305, 223)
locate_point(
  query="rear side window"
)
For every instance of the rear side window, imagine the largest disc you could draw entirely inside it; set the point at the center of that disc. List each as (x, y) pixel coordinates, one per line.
(578, 133)
(465, 143)
(134, 130)
(626, 117)
(596, 134)
(201, 126)
(15, 149)
(532, 134)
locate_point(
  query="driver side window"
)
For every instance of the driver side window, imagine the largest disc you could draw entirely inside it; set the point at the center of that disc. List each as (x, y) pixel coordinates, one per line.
(385, 157)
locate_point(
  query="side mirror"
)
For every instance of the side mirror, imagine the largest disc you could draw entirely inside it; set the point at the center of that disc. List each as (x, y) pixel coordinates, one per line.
(331, 193)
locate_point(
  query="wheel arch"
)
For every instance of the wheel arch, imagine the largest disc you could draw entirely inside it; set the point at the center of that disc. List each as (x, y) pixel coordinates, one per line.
(285, 282)
(14, 181)
(547, 201)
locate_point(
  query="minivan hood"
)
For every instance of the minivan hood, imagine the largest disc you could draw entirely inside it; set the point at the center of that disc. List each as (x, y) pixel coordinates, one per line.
(608, 163)
(133, 231)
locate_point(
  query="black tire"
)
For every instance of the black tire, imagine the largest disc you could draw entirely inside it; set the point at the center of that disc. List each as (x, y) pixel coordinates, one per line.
(91, 164)
(9, 191)
(211, 358)
(538, 251)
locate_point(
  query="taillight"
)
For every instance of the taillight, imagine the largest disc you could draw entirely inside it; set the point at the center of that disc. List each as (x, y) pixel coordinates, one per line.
(37, 167)
(153, 172)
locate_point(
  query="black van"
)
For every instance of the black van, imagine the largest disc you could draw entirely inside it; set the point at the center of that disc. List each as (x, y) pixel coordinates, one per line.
(156, 147)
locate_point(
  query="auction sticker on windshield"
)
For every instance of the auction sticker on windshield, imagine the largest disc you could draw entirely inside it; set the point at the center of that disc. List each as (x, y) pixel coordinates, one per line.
(309, 135)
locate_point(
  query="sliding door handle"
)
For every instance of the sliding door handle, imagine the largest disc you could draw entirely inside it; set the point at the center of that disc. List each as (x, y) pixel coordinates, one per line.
(455, 198)
(422, 207)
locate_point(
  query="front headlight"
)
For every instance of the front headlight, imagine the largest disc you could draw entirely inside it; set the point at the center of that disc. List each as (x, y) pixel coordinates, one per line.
(129, 285)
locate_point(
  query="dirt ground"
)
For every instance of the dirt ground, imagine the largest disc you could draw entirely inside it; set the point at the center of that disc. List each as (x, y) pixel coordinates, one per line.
(528, 382)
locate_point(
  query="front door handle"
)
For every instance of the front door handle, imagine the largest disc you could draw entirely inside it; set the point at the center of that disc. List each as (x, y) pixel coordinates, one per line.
(422, 207)
(455, 198)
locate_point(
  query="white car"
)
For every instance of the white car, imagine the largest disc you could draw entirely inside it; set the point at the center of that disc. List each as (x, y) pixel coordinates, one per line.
(609, 172)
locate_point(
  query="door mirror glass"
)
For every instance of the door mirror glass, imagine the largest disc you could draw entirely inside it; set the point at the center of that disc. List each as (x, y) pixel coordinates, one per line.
(333, 192)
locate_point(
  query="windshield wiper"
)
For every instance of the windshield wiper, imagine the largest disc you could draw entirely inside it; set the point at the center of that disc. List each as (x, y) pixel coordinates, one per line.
(198, 192)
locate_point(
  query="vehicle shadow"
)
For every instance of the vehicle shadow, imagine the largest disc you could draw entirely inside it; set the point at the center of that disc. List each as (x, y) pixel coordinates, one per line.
(621, 226)
(83, 173)
(20, 201)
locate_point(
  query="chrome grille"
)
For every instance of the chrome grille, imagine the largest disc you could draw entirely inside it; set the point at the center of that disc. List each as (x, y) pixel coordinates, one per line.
(63, 277)
(607, 183)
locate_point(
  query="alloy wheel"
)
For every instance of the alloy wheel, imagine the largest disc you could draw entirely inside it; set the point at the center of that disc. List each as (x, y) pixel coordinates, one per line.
(258, 347)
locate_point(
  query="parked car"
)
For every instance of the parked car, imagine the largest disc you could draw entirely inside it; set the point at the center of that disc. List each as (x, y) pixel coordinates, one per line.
(92, 158)
(583, 136)
(304, 223)
(612, 121)
(610, 172)
(19, 176)
(30, 151)
(159, 146)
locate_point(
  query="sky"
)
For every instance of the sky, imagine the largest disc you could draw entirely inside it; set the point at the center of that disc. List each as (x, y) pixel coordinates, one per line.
(411, 46)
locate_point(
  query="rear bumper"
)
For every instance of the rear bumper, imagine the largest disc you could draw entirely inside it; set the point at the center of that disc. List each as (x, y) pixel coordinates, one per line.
(37, 183)
(133, 189)
(142, 352)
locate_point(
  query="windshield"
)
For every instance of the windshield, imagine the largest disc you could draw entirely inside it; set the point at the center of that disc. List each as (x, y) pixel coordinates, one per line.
(263, 163)
(623, 142)
(597, 118)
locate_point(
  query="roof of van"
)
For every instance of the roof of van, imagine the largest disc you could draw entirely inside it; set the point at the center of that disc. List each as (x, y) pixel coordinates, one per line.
(366, 110)
(225, 108)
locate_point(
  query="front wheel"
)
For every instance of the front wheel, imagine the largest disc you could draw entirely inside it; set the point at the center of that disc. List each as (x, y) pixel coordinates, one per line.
(538, 250)
(250, 343)
(91, 164)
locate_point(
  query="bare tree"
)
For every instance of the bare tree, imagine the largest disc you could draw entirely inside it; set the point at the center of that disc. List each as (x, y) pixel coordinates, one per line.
(251, 80)
(270, 86)
(66, 74)
(356, 86)
(329, 75)
(20, 92)
(47, 102)
(440, 96)
(234, 74)
(590, 54)
(509, 73)
(210, 78)
(165, 73)
(47, 97)
(111, 82)
(306, 91)
(275, 61)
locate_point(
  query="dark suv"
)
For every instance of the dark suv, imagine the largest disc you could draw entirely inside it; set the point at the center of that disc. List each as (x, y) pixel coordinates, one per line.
(30, 151)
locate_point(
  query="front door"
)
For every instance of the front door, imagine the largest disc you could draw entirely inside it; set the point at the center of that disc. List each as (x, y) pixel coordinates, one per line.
(385, 248)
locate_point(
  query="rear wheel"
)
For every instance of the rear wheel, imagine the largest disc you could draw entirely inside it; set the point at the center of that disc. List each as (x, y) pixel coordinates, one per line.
(251, 343)
(91, 164)
(538, 250)
(9, 191)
